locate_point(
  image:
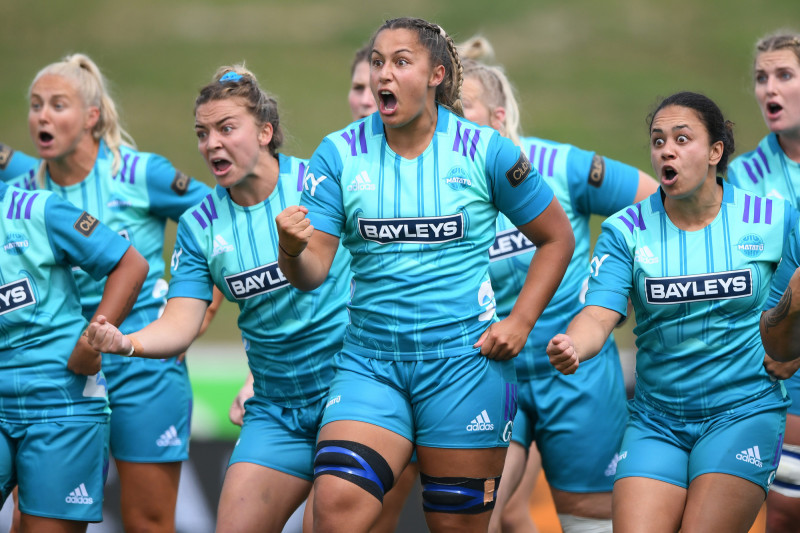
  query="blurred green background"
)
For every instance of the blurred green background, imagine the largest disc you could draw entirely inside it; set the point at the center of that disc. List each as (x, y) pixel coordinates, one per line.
(586, 72)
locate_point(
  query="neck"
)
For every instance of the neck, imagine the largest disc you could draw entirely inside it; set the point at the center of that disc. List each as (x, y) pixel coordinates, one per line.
(790, 144)
(411, 139)
(259, 184)
(697, 210)
(73, 167)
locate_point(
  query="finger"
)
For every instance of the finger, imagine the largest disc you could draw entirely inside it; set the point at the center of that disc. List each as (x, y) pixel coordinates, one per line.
(481, 339)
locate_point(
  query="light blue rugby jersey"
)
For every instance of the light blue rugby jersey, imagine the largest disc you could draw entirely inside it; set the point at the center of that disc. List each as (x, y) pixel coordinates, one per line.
(136, 203)
(582, 190)
(290, 336)
(419, 231)
(697, 295)
(767, 171)
(40, 312)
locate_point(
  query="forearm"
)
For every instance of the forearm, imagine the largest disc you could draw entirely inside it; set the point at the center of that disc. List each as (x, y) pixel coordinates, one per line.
(780, 328)
(174, 331)
(309, 268)
(590, 329)
(122, 287)
(543, 278)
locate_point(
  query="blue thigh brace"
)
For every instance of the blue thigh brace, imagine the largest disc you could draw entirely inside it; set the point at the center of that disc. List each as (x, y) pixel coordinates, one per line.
(356, 463)
(458, 495)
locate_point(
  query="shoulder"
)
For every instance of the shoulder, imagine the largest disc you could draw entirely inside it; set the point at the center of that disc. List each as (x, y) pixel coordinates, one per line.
(202, 215)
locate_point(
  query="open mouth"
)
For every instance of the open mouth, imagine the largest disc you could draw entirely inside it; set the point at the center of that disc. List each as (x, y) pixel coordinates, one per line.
(668, 175)
(388, 101)
(773, 108)
(221, 165)
(45, 137)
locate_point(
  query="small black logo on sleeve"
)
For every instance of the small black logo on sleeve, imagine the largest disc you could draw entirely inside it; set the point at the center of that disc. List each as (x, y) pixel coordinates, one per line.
(181, 183)
(517, 174)
(597, 171)
(86, 224)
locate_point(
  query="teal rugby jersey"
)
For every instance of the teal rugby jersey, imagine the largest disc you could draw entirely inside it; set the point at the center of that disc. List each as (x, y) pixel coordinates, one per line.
(290, 336)
(767, 171)
(585, 184)
(697, 295)
(40, 311)
(136, 203)
(419, 230)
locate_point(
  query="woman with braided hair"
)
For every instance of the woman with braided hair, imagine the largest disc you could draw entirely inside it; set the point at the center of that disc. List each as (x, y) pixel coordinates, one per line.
(414, 191)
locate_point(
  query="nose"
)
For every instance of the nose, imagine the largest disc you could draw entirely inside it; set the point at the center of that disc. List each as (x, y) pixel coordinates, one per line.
(769, 86)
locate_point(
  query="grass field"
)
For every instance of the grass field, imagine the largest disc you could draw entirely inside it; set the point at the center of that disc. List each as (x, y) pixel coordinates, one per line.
(586, 72)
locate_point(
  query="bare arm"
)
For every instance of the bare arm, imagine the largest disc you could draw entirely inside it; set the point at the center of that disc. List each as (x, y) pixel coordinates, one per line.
(168, 336)
(305, 255)
(212, 309)
(584, 338)
(552, 234)
(119, 294)
(236, 412)
(780, 326)
(647, 186)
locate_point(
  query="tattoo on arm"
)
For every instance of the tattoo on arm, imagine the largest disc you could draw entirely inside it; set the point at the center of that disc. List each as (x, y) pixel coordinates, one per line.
(774, 316)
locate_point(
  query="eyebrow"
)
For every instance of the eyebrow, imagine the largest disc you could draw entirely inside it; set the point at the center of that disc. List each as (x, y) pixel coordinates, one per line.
(675, 128)
(217, 123)
(398, 51)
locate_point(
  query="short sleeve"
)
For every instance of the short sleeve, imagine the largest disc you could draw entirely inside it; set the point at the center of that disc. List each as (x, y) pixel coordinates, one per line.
(77, 238)
(322, 192)
(518, 190)
(611, 272)
(171, 192)
(191, 277)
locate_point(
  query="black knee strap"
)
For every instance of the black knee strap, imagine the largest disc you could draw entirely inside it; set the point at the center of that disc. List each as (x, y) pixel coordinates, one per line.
(356, 463)
(458, 495)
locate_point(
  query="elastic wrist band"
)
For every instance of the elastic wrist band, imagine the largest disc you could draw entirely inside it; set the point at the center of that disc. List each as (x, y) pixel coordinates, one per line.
(136, 347)
(287, 253)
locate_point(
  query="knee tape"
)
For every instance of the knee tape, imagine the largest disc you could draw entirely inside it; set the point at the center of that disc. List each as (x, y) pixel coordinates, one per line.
(787, 478)
(458, 495)
(578, 524)
(356, 463)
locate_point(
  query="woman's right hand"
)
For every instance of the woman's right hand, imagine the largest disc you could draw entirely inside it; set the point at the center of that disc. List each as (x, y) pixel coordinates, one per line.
(105, 337)
(561, 351)
(294, 230)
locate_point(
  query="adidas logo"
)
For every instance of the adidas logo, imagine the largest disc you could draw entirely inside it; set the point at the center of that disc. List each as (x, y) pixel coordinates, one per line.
(775, 194)
(220, 246)
(750, 455)
(481, 423)
(169, 438)
(80, 496)
(361, 183)
(644, 255)
(611, 469)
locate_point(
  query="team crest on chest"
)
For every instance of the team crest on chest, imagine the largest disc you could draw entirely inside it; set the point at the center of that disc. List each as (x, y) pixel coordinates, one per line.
(16, 244)
(458, 179)
(751, 245)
